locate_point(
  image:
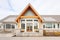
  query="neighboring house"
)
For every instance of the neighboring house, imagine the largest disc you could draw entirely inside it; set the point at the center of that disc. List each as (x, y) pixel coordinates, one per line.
(30, 23)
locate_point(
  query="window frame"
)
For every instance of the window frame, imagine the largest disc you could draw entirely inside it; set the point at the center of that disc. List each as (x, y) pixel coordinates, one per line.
(10, 26)
(51, 24)
(48, 24)
(29, 21)
(13, 25)
(36, 26)
(21, 26)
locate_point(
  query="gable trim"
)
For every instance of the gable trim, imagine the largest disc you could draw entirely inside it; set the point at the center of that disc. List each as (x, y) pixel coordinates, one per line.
(26, 8)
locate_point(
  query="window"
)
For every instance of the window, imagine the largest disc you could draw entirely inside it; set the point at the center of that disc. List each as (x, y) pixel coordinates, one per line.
(43, 26)
(29, 27)
(29, 20)
(36, 20)
(53, 25)
(58, 25)
(8, 26)
(13, 26)
(35, 25)
(23, 26)
(22, 21)
(48, 25)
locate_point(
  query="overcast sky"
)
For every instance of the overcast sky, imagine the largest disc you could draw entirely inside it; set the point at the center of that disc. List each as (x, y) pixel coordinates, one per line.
(43, 7)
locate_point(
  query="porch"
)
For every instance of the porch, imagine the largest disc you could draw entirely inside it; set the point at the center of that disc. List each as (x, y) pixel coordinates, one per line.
(18, 33)
(41, 32)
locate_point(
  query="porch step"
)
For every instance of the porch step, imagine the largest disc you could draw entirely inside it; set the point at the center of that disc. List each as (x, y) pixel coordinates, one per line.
(28, 34)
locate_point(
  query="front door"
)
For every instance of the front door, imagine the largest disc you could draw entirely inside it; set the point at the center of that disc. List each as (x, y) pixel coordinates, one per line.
(29, 27)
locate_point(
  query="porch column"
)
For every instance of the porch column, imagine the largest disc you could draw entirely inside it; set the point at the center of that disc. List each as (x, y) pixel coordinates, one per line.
(33, 25)
(15, 26)
(55, 25)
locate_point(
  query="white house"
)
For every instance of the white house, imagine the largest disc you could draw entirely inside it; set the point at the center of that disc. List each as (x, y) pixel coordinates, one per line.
(30, 23)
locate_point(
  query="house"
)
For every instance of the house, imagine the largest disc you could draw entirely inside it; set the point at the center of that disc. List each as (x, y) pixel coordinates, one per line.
(30, 23)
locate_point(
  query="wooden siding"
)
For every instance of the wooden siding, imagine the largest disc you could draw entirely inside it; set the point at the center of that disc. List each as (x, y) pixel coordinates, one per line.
(18, 23)
(29, 16)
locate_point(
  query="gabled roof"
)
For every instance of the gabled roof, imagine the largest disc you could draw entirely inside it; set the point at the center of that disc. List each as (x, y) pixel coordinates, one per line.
(45, 18)
(49, 19)
(10, 18)
(29, 6)
(55, 18)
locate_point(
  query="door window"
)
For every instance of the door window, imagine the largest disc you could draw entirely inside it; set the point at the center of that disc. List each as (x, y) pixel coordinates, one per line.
(29, 27)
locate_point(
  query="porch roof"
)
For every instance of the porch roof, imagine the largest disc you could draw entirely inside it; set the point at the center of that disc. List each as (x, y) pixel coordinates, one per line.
(46, 18)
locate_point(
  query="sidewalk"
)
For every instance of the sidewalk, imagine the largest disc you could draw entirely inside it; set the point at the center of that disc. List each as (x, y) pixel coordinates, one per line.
(29, 38)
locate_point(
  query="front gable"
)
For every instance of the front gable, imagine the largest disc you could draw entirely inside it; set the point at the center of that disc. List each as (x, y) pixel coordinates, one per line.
(29, 12)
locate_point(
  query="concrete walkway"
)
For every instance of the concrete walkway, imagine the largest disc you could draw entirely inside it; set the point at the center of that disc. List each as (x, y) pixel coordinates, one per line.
(29, 38)
(6, 34)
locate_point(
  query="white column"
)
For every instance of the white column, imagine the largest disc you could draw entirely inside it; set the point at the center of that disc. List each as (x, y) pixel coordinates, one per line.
(2, 27)
(52, 25)
(56, 26)
(38, 27)
(15, 26)
(20, 25)
(33, 25)
(59, 25)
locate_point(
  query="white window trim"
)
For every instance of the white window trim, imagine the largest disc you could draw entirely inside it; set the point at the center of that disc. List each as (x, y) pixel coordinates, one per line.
(29, 22)
(56, 27)
(10, 27)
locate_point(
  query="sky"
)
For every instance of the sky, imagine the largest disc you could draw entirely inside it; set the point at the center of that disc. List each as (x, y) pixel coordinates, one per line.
(15, 7)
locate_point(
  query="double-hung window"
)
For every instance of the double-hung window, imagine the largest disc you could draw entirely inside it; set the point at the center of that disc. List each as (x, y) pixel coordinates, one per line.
(22, 25)
(35, 24)
(48, 25)
(9, 26)
(13, 26)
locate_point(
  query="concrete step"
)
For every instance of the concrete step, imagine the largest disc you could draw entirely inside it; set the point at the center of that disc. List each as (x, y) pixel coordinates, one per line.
(28, 34)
